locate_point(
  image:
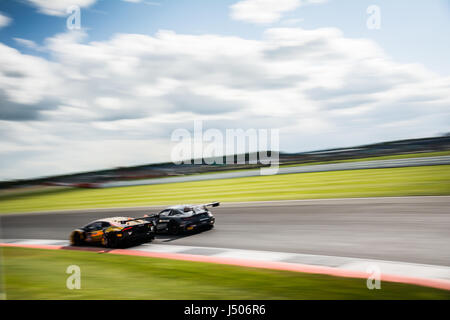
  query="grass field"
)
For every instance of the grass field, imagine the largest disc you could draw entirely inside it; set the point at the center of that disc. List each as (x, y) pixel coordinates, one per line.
(410, 181)
(41, 274)
(393, 157)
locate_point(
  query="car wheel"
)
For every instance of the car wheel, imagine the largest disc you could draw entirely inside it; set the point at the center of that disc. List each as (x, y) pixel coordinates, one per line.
(150, 238)
(76, 239)
(107, 242)
(173, 228)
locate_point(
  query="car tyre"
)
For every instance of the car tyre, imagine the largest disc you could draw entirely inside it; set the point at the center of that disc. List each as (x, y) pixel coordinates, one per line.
(173, 228)
(76, 239)
(108, 242)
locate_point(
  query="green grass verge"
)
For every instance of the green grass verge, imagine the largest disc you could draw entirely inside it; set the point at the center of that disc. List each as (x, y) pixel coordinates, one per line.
(41, 274)
(410, 181)
(393, 157)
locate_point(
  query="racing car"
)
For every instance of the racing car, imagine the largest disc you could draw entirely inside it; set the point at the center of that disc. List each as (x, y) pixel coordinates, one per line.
(114, 232)
(184, 218)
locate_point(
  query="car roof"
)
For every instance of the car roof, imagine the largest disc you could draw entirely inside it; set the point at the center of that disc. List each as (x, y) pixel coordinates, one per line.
(114, 219)
(183, 206)
(180, 206)
(188, 208)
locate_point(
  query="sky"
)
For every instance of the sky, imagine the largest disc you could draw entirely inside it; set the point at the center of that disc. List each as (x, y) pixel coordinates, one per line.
(112, 92)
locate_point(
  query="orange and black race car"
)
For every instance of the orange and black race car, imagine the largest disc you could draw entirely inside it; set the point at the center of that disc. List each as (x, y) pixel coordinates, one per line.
(114, 232)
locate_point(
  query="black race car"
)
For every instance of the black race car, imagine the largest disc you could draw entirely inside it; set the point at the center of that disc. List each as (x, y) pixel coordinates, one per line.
(114, 232)
(184, 218)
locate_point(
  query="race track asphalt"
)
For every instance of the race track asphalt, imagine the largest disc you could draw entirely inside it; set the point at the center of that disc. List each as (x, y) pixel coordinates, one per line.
(407, 229)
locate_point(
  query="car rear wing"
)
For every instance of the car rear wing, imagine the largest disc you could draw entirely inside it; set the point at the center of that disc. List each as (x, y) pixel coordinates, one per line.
(212, 204)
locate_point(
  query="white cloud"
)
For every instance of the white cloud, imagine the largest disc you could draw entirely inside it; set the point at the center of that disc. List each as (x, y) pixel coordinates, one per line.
(266, 11)
(59, 7)
(150, 3)
(25, 79)
(116, 102)
(4, 20)
(28, 44)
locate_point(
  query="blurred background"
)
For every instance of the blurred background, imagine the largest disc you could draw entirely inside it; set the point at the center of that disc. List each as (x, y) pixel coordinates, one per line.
(92, 91)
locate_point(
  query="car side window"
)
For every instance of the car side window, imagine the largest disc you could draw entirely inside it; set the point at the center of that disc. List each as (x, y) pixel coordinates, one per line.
(90, 227)
(165, 213)
(174, 212)
(94, 226)
(105, 224)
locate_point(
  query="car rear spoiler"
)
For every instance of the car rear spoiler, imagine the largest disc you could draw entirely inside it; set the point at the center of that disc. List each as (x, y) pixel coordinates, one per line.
(212, 204)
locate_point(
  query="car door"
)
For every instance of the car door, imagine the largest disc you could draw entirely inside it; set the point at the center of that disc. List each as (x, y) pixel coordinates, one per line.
(99, 234)
(94, 231)
(163, 219)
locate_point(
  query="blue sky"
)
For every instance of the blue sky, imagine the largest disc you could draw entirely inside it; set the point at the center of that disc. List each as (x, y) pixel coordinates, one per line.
(412, 31)
(112, 93)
